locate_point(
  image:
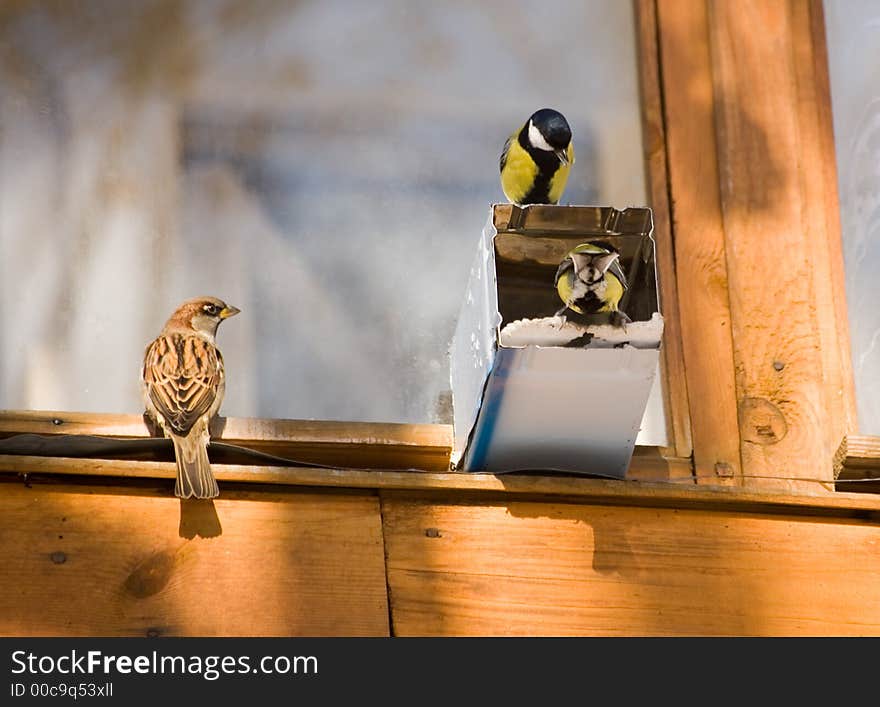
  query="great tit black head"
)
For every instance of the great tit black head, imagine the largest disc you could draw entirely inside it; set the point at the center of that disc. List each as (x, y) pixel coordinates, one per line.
(536, 159)
(549, 130)
(591, 268)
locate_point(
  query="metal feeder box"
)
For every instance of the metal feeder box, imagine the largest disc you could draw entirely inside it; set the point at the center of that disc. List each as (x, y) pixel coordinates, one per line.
(531, 391)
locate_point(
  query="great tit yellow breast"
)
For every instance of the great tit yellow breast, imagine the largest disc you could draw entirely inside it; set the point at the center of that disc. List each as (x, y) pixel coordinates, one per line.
(518, 172)
(593, 300)
(533, 176)
(560, 177)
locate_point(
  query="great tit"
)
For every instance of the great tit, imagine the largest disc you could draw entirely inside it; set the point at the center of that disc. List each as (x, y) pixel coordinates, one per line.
(589, 280)
(536, 159)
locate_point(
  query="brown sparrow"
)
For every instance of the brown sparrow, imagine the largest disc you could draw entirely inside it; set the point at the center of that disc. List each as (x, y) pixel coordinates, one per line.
(183, 386)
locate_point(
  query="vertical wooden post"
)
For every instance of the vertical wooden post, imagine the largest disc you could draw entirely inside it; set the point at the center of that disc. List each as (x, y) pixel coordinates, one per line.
(818, 171)
(757, 238)
(680, 442)
(701, 269)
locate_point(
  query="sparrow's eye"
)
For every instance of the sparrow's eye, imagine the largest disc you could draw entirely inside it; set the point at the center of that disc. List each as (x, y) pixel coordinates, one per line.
(211, 310)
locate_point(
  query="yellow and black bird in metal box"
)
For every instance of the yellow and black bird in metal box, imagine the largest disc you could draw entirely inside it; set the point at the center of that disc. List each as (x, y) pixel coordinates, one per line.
(537, 158)
(590, 281)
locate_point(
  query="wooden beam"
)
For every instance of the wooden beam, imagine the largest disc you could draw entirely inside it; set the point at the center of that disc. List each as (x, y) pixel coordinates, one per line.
(818, 173)
(856, 462)
(775, 175)
(657, 464)
(514, 568)
(91, 561)
(698, 235)
(566, 488)
(675, 392)
(653, 469)
(362, 444)
(857, 453)
(756, 228)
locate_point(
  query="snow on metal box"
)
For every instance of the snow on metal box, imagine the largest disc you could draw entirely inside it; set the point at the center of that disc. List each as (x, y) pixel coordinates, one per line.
(535, 391)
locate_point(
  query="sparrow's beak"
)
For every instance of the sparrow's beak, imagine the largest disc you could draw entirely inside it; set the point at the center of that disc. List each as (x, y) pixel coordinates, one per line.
(228, 311)
(562, 155)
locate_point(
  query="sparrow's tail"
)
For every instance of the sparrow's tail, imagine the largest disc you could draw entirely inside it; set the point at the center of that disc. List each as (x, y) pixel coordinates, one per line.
(194, 476)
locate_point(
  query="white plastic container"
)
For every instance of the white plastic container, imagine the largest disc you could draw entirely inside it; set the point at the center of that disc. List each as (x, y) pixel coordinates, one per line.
(531, 392)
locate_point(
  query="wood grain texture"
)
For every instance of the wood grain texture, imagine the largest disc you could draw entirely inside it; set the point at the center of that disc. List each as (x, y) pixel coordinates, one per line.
(818, 174)
(119, 470)
(362, 444)
(641, 469)
(538, 569)
(698, 232)
(775, 170)
(348, 445)
(104, 561)
(675, 393)
(857, 452)
(667, 492)
(857, 464)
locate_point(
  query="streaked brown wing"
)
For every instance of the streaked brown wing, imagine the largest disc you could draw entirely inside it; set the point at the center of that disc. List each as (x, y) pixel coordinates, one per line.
(182, 375)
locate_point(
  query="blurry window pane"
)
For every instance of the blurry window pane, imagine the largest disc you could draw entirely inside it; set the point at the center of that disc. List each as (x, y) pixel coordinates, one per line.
(853, 31)
(326, 166)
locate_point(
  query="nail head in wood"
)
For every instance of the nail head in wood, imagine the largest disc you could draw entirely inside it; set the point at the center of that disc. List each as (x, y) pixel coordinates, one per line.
(723, 470)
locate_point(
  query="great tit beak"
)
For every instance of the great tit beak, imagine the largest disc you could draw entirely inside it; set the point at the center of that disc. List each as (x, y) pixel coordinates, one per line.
(228, 311)
(562, 155)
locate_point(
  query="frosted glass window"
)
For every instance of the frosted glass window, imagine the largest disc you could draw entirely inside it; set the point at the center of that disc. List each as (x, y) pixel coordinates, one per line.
(853, 31)
(326, 166)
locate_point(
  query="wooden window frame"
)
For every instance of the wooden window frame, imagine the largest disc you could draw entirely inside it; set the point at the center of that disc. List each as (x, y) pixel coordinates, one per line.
(758, 393)
(742, 179)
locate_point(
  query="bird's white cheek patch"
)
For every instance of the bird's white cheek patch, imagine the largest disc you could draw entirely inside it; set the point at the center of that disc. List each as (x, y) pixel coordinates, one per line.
(578, 290)
(537, 140)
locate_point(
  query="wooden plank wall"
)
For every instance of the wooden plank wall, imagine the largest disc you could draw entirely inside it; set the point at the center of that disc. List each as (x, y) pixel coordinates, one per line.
(699, 239)
(103, 558)
(527, 568)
